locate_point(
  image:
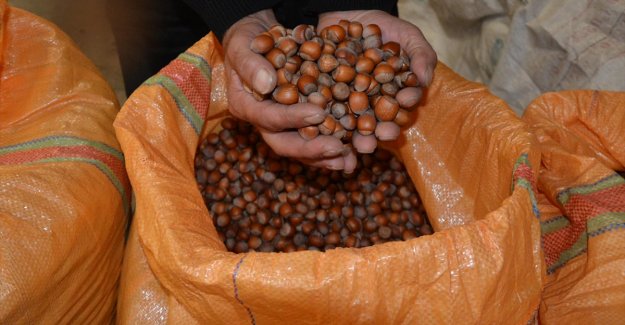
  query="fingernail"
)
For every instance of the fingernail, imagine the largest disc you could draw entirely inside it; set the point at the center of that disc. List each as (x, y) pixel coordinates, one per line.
(315, 119)
(334, 166)
(263, 81)
(427, 76)
(333, 153)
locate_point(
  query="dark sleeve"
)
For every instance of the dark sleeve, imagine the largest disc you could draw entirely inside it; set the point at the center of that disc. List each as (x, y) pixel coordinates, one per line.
(219, 15)
(321, 6)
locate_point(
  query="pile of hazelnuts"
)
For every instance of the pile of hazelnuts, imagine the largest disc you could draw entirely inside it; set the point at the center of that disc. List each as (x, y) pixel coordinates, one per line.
(345, 69)
(262, 202)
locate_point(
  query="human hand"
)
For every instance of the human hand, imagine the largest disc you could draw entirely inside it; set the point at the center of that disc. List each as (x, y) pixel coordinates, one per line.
(422, 61)
(275, 121)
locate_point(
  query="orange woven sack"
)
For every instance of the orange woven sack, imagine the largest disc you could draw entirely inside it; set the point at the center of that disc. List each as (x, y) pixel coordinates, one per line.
(469, 156)
(582, 139)
(63, 188)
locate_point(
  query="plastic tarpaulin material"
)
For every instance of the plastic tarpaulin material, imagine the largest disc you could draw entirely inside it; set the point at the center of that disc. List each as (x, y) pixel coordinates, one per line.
(64, 192)
(468, 154)
(582, 140)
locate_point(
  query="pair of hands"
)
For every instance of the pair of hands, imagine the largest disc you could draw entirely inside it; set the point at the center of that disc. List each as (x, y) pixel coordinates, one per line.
(272, 119)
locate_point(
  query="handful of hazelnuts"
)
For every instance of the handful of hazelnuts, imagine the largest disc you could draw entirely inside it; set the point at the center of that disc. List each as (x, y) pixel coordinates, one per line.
(346, 70)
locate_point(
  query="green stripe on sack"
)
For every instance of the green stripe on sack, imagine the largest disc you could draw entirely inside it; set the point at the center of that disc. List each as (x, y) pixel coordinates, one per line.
(579, 247)
(99, 165)
(198, 62)
(554, 225)
(61, 141)
(183, 103)
(609, 220)
(610, 181)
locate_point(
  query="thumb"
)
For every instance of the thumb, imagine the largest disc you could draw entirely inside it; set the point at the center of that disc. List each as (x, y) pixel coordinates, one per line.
(253, 69)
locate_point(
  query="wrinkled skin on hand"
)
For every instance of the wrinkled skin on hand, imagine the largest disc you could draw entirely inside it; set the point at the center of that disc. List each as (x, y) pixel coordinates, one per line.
(276, 121)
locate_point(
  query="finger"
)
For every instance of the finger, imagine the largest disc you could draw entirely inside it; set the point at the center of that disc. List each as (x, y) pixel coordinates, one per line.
(387, 131)
(364, 143)
(409, 96)
(268, 114)
(350, 162)
(291, 144)
(422, 56)
(253, 68)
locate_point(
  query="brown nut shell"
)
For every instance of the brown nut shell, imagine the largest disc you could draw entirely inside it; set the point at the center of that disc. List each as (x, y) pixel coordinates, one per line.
(327, 63)
(327, 126)
(358, 102)
(344, 73)
(402, 118)
(346, 56)
(372, 42)
(348, 121)
(364, 65)
(386, 108)
(286, 94)
(340, 91)
(383, 73)
(391, 48)
(287, 45)
(307, 84)
(310, 50)
(262, 43)
(293, 63)
(371, 29)
(309, 68)
(336, 33)
(376, 55)
(354, 29)
(302, 33)
(276, 57)
(362, 82)
(366, 124)
(309, 132)
(318, 99)
(284, 76)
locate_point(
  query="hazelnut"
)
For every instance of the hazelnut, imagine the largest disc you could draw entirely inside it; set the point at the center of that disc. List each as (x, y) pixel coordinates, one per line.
(335, 33)
(309, 68)
(392, 48)
(327, 126)
(354, 29)
(383, 73)
(348, 122)
(286, 94)
(340, 91)
(277, 31)
(346, 56)
(374, 88)
(293, 63)
(262, 43)
(327, 63)
(325, 91)
(339, 131)
(402, 118)
(338, 110)
(310, 50)
(276, 57)
(395, 62)
(376, 55)
(307, 84)
(366, 124)
(328, 47)
(372, 41)
(362, 82)
(287, 45)
(364, 65)
(317, 99)
(390, 89)
(358, 102)
(386, 108)
(284, 76)
(371, 29)
(325, 80)
(302, 33)
(344, 73)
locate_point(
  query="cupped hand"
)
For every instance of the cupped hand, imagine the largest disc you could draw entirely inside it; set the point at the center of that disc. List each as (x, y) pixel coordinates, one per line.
(276, 122)
(422, 61)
